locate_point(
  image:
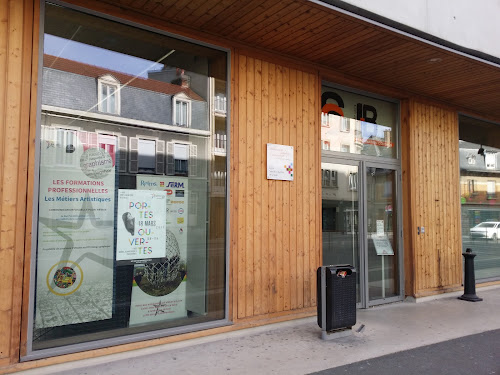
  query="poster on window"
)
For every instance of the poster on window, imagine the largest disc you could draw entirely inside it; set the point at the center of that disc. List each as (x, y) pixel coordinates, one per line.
(75, 228)
(141, 228)
(159, 288)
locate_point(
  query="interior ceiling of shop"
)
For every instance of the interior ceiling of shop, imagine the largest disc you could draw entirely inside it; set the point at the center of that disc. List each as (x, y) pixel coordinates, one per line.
(314, 33)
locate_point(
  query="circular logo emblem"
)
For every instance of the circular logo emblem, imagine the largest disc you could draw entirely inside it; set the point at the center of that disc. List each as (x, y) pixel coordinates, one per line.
(64, 278)
(96, 163)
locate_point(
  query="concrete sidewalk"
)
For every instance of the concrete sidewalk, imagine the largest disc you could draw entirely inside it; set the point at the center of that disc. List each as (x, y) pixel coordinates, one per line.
(296, 348)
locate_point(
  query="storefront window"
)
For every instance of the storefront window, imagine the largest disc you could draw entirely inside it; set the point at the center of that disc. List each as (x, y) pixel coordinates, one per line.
(358, 124)
(132, 193)
(480, 194)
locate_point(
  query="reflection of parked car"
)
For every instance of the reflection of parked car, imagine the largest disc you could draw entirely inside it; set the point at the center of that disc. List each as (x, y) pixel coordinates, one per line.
(488, 230)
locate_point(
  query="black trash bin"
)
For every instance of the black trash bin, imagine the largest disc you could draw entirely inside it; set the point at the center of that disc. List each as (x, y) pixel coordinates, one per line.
(340, 292)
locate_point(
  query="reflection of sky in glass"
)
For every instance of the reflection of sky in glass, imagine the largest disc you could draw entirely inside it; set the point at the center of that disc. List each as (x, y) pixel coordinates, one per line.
(96, 56)
(373, 130)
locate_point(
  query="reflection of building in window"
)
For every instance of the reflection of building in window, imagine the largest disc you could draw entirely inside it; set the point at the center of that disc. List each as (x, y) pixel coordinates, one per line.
(108, 143)
(218, 181)
(387, 138)
(220, 104)
(326, 177)
(193, 208)
(471, 159)
(491, 189)
(329, 178)
(65, 142)
(181, 159)
(471, 186)
(491, 160)
(146, 155)
(345, 148)
(65, 146)
(108, 94)
(353, 181)
(371, 191)
(182, 110)
(324, 119)
(325, 145)
(193, 203)
(387, 189)
(345, 124)
(220, 143)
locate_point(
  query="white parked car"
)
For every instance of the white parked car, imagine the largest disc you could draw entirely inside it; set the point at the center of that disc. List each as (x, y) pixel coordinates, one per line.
(487, 229)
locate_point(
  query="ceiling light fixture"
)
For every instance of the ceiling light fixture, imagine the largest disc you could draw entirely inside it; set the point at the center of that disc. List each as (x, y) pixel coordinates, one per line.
(435, 60)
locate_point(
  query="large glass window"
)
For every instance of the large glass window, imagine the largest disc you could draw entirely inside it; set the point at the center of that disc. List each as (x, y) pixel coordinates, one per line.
(132, 190)
(479, 154)
(358, 124)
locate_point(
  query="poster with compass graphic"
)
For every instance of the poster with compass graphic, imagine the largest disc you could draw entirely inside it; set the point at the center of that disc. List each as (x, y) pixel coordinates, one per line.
(159, 288)
(76, 228)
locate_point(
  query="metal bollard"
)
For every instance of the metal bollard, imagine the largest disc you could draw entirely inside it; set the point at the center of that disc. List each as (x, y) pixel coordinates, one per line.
(470, 279)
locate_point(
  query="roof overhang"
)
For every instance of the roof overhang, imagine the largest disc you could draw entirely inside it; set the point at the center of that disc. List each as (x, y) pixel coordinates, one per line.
(325, 36)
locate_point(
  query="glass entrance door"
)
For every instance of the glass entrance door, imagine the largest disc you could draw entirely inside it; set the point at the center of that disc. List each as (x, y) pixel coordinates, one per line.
(340, 216)
(360, 226)
(382, 234)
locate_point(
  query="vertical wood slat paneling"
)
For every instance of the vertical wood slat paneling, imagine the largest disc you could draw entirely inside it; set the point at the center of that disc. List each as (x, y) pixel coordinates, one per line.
(15, 80)
(277, 222)
(305, 190)
(250, 197)
(5, 252)
(266, 283)
(271, 203)
(279, 194)
(258, 171)
(293, 196)
(286, 193)
(408, 203)
(241, 181)
(430, 162)
(299, 166)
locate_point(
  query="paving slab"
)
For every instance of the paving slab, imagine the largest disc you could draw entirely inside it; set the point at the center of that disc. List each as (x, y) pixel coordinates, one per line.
(296, 347)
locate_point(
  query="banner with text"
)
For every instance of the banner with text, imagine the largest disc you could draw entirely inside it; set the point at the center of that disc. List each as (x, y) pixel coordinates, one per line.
(75, 229)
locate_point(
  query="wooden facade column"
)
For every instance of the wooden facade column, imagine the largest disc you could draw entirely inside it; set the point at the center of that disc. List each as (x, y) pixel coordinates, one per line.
(275, 225)
(16, 51)
(431, 199)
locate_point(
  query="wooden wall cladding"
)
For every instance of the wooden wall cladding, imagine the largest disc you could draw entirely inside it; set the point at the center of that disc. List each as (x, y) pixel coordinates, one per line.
(432, 200)
(275, 225)
(16, 31)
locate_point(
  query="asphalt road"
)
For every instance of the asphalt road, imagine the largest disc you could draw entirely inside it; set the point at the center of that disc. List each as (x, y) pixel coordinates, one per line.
(476, 354)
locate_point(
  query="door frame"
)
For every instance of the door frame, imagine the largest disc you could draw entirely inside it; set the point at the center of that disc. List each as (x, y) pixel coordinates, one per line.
(381, 164)
(363, 163)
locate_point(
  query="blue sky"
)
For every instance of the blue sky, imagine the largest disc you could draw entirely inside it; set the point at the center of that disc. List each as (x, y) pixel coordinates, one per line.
(101, 57)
